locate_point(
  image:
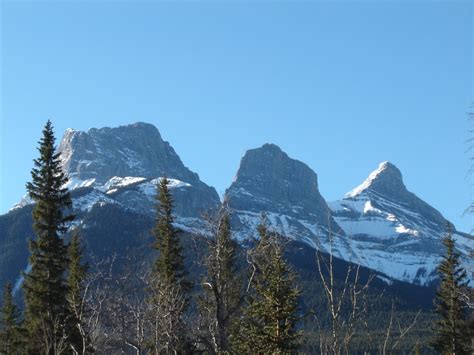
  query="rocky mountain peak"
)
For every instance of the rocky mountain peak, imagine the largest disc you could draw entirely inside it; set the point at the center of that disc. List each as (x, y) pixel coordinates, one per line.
(386, 180)
(269, 180)
(132, 150)
(270, 173)
(385, 190)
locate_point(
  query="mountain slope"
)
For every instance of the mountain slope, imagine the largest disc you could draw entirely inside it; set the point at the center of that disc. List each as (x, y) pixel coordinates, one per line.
(394, 231)
(113, 176)
(269, 181)
(114, 172)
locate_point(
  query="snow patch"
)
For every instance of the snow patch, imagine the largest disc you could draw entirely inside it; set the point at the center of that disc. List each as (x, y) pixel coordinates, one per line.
(87, 201)
(75, 183)
(118, 182)
(149, 188)
(368, 182)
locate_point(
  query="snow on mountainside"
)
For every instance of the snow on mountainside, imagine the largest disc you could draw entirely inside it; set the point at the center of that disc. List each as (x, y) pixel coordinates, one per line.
(394, 231)
(379, 224)
(123, 166)
(269, 181)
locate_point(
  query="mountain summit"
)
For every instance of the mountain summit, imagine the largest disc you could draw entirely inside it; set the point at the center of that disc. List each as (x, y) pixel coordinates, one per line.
(269, 181)
(385, 180)
(132, 150)
(385, 189)
(123, 164)
(383, 218)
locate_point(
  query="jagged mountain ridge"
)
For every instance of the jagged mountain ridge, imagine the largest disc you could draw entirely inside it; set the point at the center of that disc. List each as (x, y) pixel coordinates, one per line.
(380, 224)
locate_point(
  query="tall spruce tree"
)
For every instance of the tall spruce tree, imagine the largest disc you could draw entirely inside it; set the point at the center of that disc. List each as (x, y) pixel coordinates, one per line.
(169, 264)
(169, 286)
(10, 333)
(222, 286)
(270, 320)
(452, 333)
(45, 285)
(79, 338)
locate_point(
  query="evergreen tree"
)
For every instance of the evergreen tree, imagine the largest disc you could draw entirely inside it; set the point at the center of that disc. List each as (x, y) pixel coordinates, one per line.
(169, 286)
(10, 334)
(270, 321)
(78, 334)
(45, 285)
(451, 329)
(222, 286)
(170, 262)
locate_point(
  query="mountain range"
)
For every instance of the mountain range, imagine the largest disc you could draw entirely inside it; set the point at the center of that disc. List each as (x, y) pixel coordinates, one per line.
(113, 173)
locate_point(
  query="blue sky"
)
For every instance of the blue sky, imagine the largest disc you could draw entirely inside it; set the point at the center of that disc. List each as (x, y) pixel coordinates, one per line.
(339, 85)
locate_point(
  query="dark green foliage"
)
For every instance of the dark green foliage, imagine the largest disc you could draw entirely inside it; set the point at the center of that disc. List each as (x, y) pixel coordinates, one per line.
(270, 320)
(222, 286)
(170, 262)
(45, 285)
(77, 272)
(78, 334)
(10, 333)
(169, 288)
(112, 230)
(451, 329)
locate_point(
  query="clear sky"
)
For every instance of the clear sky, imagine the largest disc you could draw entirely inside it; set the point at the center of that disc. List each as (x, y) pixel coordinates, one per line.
(340, 85)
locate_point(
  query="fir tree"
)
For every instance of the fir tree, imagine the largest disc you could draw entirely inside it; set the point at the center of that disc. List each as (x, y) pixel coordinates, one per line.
(169, 286)
(451, 329)
(222, 286)
(170, 262)
(45, 285)
(78, 334)
(270, 321)
(10, 333)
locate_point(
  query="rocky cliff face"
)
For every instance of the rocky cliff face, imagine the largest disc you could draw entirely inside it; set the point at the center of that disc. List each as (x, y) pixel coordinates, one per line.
(123, 165)
(269, 181)
(133, 150)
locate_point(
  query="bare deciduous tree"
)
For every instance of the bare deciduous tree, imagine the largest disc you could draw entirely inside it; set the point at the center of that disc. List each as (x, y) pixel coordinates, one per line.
(342, 321)
(392, 341)
(53, 335)
(348, 307)
(165, 317)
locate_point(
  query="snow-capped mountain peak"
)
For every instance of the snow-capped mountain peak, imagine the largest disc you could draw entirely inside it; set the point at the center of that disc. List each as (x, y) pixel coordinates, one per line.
(386, 179)
(123, 164)
(393, 230)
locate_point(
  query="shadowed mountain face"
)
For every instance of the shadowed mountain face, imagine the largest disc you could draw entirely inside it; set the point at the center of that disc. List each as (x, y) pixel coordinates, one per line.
(269, 181)
(114, 172)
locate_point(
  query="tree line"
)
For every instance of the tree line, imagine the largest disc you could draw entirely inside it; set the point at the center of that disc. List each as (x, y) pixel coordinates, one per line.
(71, 308)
